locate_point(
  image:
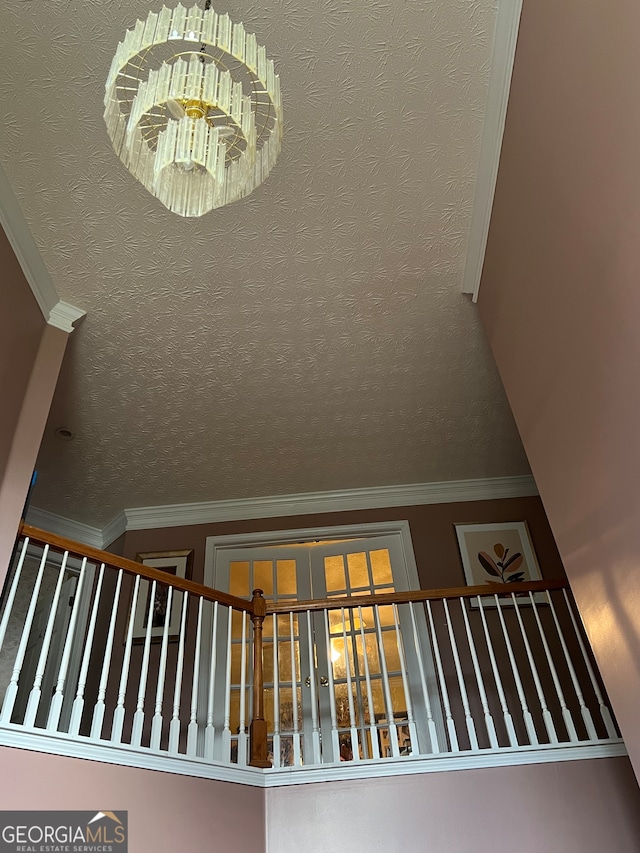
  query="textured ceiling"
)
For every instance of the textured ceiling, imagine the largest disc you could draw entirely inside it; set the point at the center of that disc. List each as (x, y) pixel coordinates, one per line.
(312, 336)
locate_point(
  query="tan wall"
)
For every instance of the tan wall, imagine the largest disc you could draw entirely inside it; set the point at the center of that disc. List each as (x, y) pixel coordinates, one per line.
(573, 807)
(560, 299)
(31, 353)
(432, 532)
(167, 813)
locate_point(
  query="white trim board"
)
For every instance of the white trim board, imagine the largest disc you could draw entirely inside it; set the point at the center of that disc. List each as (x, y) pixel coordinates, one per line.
(60, 314)
(310, 503)
(504, 50)
(127, 756)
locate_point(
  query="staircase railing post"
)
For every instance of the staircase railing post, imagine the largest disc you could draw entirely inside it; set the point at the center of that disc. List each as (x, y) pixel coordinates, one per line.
(258, 729)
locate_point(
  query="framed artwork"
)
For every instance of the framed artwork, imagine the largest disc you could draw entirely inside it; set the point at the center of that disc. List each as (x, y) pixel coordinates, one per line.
(497, 553)
(177, 563)
(402, 728)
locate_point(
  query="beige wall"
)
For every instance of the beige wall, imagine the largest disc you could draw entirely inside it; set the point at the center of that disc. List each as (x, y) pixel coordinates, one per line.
(432, 532)
(572, 807)
(31, 354)
(560, 299)
(167, 813)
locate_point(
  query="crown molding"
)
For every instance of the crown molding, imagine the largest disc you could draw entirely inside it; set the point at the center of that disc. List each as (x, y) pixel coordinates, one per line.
(66, 527)
(56, 313)
(64, 316)
(311, 503)
(504, 50)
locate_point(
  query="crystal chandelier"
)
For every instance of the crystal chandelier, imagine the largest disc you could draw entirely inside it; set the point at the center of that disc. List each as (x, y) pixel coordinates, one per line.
(193, 108)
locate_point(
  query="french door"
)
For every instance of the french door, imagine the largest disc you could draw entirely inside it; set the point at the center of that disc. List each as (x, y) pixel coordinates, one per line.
(334, 680)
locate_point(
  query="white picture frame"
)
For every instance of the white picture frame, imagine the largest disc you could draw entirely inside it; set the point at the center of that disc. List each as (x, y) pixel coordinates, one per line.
(176, 563)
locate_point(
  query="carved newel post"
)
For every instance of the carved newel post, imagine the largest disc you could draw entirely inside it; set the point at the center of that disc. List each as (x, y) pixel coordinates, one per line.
(258, 730)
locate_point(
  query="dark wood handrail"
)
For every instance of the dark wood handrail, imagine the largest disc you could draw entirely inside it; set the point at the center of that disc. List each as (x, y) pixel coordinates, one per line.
(42, 537)
(416, 595)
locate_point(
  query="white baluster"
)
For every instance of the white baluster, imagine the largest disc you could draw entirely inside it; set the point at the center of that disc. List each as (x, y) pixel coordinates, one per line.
(526, 713)
(174, 725)
(226, 732)
(566, 713)
(605, 713)
(451, 725)
(355, 745)
(78, 702)
(55, 708)
(471, 729)
(210, 731)
(335, 740)
(584, 711)
(488, 719)
(405, 685)
(8, 606)
(294, 694)
(138, 717)
(546, 713)
(99, 709)
(12, 688)
(156, 722)
(315, 726)
(192, 730)
(388, 701)
(34, 696)
(118, 714)
(276, 694)
(431, 724)
(508, 719)
(242, 722)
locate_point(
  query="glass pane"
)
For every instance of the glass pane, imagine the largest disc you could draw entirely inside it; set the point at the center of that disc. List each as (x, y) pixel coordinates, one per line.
(236, 663)
(385, 614)
(391, 653)
(239, 579)
(371, 646)
(383, 589)
(287, 584)
(236, 624)
(358, 572)
(334, 573)
(263, 576)
(284, 626)
(267, 662)
(398, 698)
(381, 566)
(284, 660)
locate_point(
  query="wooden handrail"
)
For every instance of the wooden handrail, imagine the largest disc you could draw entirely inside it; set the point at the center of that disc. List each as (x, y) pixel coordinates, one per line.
(416, 595)
(42, 537)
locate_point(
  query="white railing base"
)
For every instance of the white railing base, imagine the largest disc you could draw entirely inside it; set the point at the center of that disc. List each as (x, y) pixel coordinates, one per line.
(57, 743)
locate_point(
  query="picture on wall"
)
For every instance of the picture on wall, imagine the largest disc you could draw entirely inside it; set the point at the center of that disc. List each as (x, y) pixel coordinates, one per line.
(497, 553)
(177, 563)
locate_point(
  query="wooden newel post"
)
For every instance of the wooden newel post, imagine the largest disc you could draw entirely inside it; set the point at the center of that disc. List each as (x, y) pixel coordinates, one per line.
(258, 730)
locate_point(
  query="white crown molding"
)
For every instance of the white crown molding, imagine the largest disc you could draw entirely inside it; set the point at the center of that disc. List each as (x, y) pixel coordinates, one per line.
(64, 316)
(66, 527)
(56, 313)
(311, 503)
(504, 49)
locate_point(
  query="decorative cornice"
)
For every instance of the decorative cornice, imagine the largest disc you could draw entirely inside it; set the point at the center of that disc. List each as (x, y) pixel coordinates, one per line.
(311, 503)
(56, 313)
(66, 527)
(504, 49)
(64, 316)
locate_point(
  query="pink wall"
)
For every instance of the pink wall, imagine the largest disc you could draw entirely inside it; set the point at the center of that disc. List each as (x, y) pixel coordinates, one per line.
(30, 423)
(571, 807)
(167, 813)
(560, 300)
